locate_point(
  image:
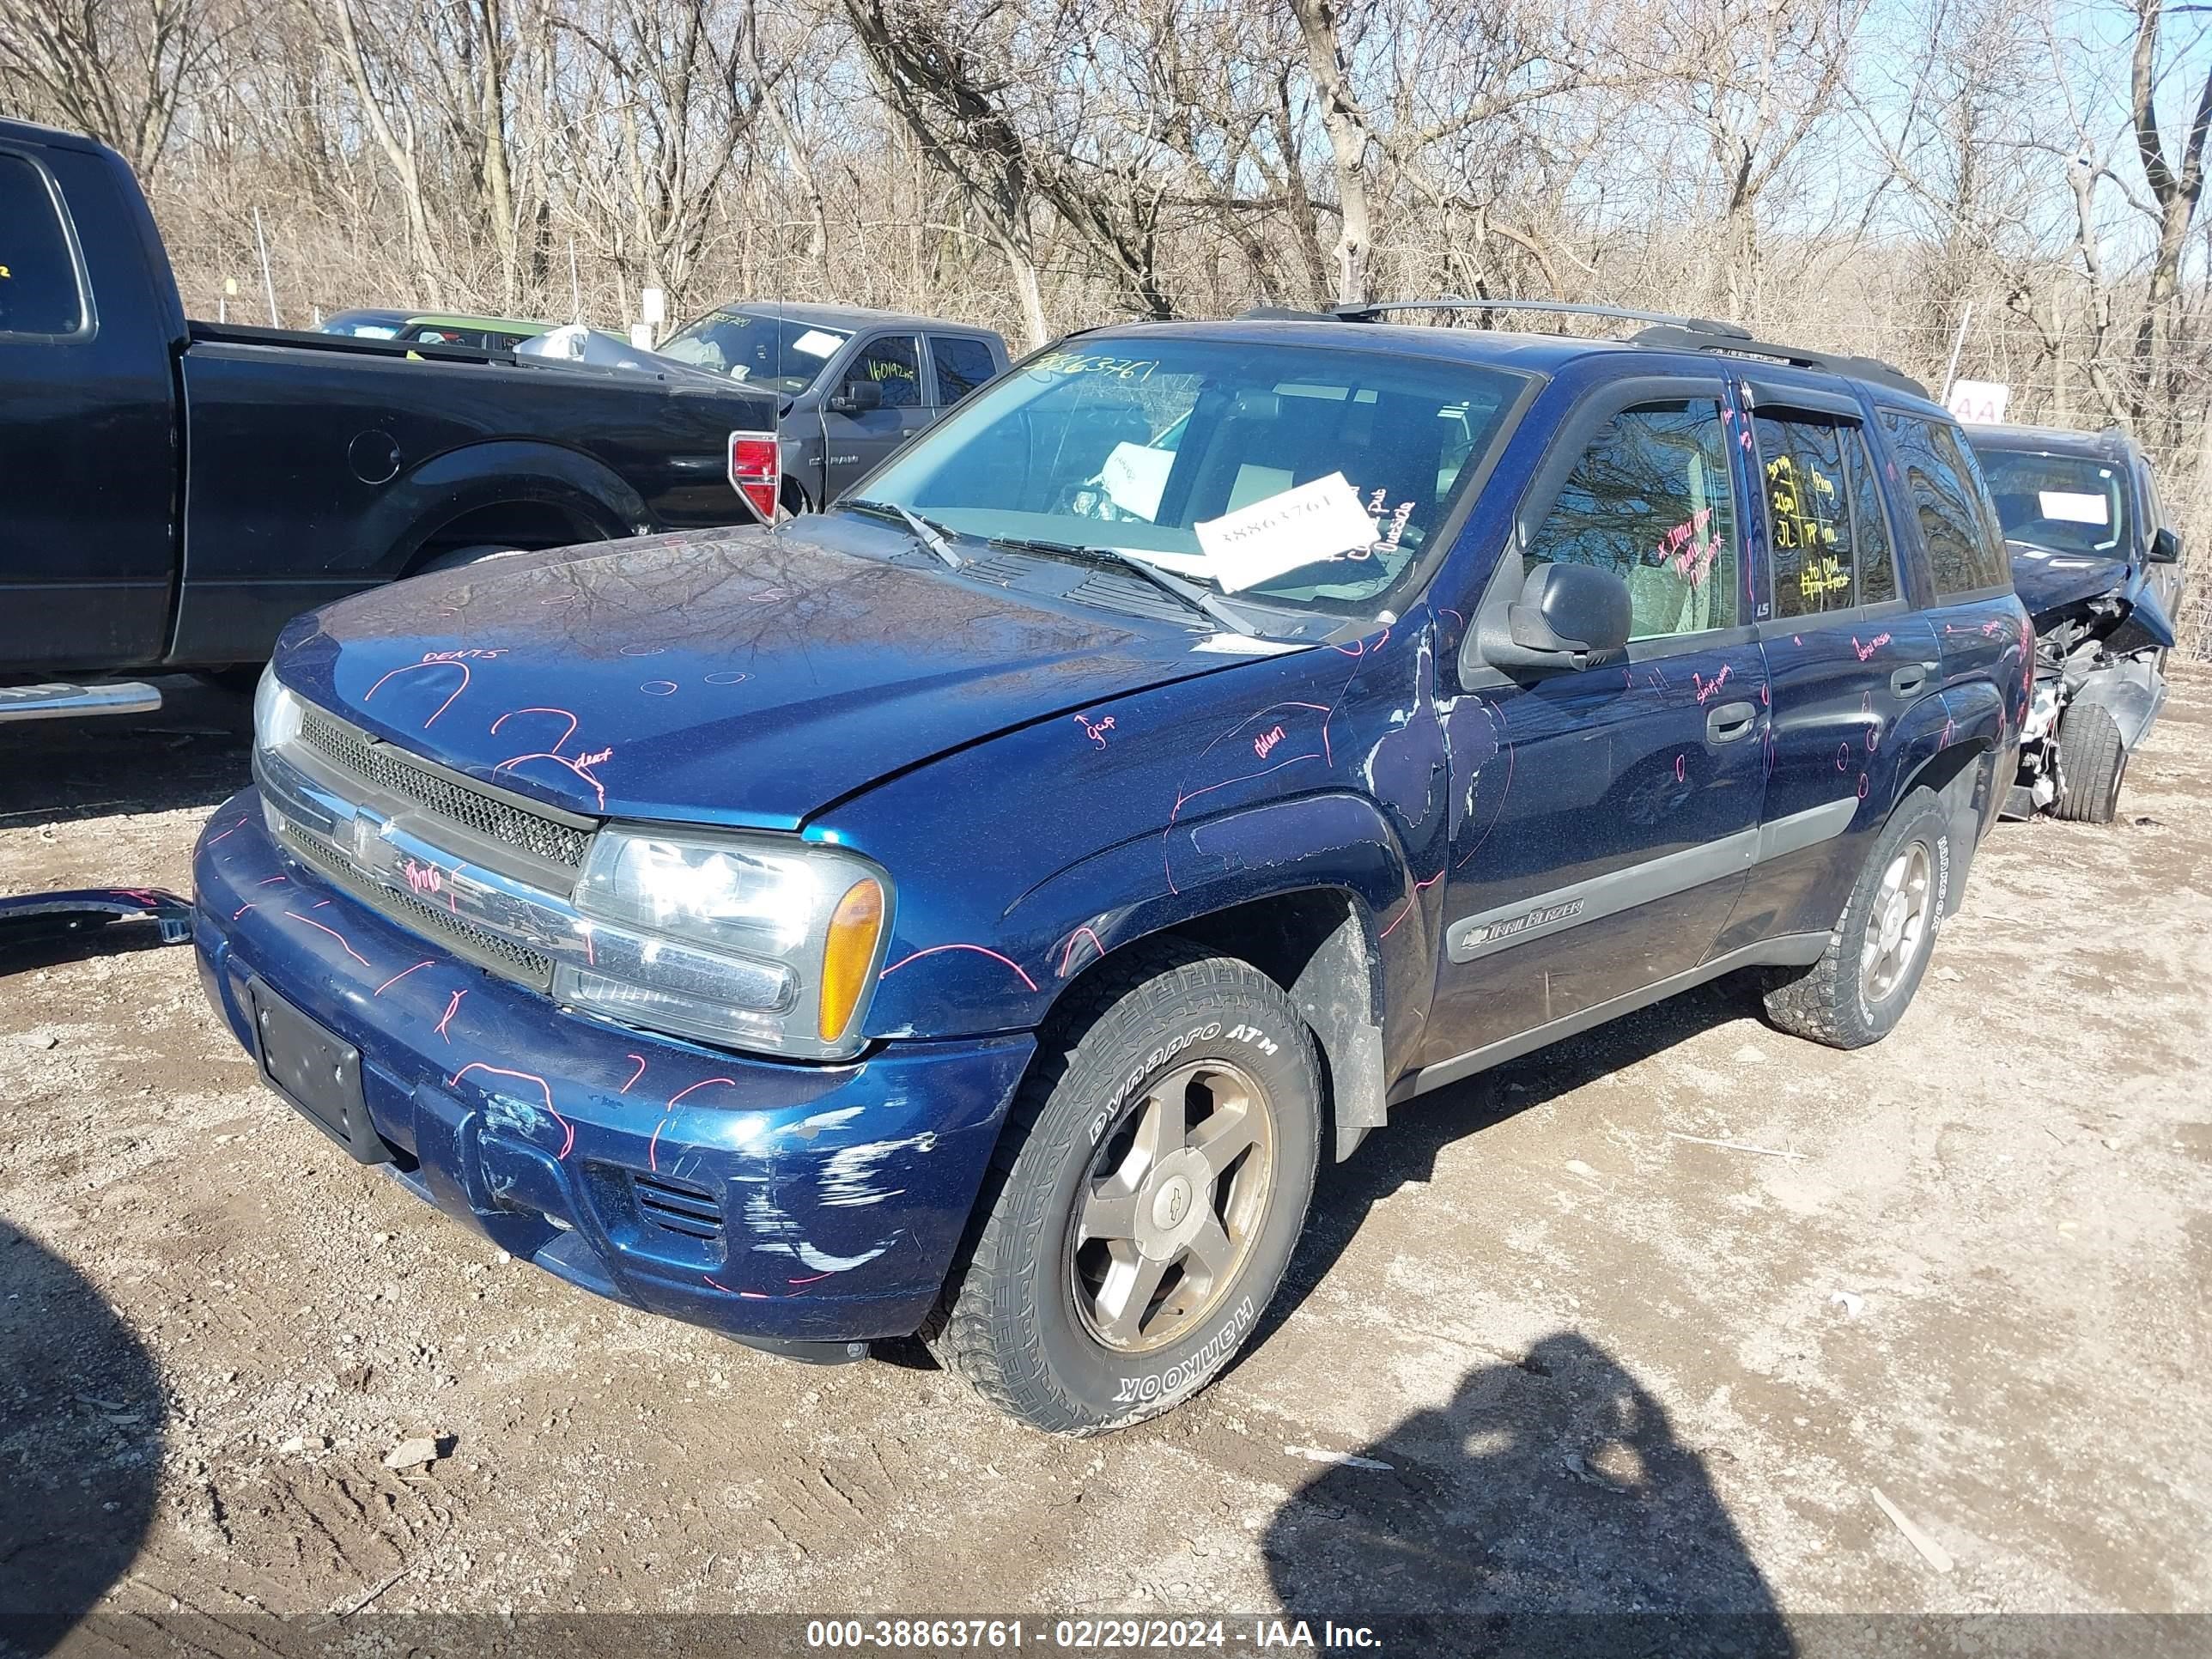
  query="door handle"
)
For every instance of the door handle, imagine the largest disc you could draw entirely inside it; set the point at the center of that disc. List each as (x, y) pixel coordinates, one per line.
(1910, 678)
(1731, 720)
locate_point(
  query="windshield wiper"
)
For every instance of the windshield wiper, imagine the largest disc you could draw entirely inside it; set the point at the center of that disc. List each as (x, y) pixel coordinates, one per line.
(1211, 605)
(929, 535)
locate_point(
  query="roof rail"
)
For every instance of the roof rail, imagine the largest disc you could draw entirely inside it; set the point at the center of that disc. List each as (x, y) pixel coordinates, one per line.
(1737, 343)
(1373, 311)
(1666, 330)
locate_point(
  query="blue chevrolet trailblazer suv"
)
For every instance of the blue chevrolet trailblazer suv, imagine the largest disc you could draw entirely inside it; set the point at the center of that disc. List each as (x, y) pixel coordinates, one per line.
(977, 910)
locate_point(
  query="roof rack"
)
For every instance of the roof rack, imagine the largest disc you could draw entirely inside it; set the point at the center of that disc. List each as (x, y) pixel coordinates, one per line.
(1737, 343)
(1373, 311)
(1664, 331)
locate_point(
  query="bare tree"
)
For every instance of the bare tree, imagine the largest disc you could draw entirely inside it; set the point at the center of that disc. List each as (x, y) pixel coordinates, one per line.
(116, 68)
(2175, 182)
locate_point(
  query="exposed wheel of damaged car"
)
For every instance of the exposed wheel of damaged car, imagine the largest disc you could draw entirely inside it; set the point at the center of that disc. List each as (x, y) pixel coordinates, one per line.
(1150, 1188)
(2092, 760)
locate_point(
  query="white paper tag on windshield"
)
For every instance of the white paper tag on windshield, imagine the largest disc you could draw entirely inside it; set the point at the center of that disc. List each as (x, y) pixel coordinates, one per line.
(817, 342)
(2068, 508)
(1135, 476)
(1299, 526)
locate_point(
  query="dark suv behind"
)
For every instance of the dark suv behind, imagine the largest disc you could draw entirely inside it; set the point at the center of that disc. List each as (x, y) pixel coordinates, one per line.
(976, 910)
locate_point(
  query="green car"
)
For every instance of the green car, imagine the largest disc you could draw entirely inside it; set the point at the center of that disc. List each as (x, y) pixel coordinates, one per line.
(483, 333)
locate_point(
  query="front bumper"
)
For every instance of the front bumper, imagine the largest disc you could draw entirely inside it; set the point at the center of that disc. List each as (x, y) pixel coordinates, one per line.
(777, 1203)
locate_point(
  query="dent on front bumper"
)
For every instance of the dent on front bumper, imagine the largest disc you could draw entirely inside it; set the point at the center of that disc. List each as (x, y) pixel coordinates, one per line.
(771, 1201)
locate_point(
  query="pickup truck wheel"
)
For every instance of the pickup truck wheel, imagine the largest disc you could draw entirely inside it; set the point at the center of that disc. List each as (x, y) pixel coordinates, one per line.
(2092, 760)
(1148, 1188)
(1860, 988)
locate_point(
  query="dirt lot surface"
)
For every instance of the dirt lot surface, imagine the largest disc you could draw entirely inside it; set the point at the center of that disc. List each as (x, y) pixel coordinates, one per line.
(1543, 1348)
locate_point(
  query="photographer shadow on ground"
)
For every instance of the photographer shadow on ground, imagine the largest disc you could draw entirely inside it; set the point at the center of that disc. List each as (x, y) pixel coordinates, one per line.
(82, 1414)
(1551, 1503)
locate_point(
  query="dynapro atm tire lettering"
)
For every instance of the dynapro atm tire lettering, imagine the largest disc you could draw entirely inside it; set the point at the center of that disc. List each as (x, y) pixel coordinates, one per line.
(1150, 1063)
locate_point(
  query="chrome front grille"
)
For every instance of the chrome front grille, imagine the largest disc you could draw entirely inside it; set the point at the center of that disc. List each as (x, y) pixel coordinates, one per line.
(385, 769)
(464, 938)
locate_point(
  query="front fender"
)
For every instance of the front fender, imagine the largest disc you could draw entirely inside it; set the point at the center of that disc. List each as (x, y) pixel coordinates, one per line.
(1017, 862)
(1066, 922)
(1335, 842)
(2131, 691)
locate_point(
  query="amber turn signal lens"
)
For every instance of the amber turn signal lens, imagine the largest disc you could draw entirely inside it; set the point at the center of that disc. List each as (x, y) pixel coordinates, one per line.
(855, 927)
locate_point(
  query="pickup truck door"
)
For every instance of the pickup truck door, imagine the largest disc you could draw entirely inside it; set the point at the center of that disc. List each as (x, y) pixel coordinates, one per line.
(1603, 819)
(856, 441)
(88, 466)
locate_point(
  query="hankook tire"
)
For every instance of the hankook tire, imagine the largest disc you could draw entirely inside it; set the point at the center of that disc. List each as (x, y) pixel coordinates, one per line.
(1149, 1187)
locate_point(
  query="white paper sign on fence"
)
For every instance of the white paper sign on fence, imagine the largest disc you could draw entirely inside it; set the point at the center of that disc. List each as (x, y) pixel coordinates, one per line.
(1980, 403)
(1297, 526)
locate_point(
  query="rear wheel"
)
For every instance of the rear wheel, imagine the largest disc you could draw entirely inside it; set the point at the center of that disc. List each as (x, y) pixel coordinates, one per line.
(2092, 760)
(1148, 1189)
(1860, 988)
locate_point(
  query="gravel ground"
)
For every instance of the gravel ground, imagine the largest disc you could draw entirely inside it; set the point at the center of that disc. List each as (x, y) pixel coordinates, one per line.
(1542, 1350)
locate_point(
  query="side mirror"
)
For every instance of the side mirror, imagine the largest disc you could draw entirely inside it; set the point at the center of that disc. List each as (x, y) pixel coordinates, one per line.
(1568, 615)
(858, 397)
(2165, 547)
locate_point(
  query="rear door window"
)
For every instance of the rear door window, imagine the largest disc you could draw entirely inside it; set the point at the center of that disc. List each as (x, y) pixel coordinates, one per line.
(1958, 524)
(963, 364)
(1830, 542)
(1650, 499)
(1808, 515)
(39, 291)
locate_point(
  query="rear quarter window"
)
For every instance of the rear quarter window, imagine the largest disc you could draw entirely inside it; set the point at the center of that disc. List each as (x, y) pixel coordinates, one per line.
(1958, 522)
(39, 290)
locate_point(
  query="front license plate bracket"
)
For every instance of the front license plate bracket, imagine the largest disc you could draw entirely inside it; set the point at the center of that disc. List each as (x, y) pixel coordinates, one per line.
(317, 1073)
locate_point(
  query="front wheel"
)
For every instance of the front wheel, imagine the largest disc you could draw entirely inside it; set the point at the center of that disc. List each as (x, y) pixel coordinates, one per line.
(2092, 760)
(1857, 991)
(1149, 1188)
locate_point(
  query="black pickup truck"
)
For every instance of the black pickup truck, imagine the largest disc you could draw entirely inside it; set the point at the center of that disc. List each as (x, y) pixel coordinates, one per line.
(176, 492)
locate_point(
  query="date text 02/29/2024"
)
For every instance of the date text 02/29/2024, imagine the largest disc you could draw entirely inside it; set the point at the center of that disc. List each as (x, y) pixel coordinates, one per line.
(1089, 1634)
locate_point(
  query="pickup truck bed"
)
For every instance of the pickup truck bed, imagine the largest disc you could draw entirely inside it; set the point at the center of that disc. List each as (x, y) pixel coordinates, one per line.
(178, 490)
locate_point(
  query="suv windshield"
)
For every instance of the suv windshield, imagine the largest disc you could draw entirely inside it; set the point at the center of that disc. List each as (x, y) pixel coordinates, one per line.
(1310, 477)
(2073, 503)
(779, 354)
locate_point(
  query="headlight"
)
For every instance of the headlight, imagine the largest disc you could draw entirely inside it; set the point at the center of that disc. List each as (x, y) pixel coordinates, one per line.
(798, 929)
(275, 711)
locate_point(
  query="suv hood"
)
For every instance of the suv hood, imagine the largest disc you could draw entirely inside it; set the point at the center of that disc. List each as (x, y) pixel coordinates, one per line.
(2055, 585)
(740, 676)
(2048, 580)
